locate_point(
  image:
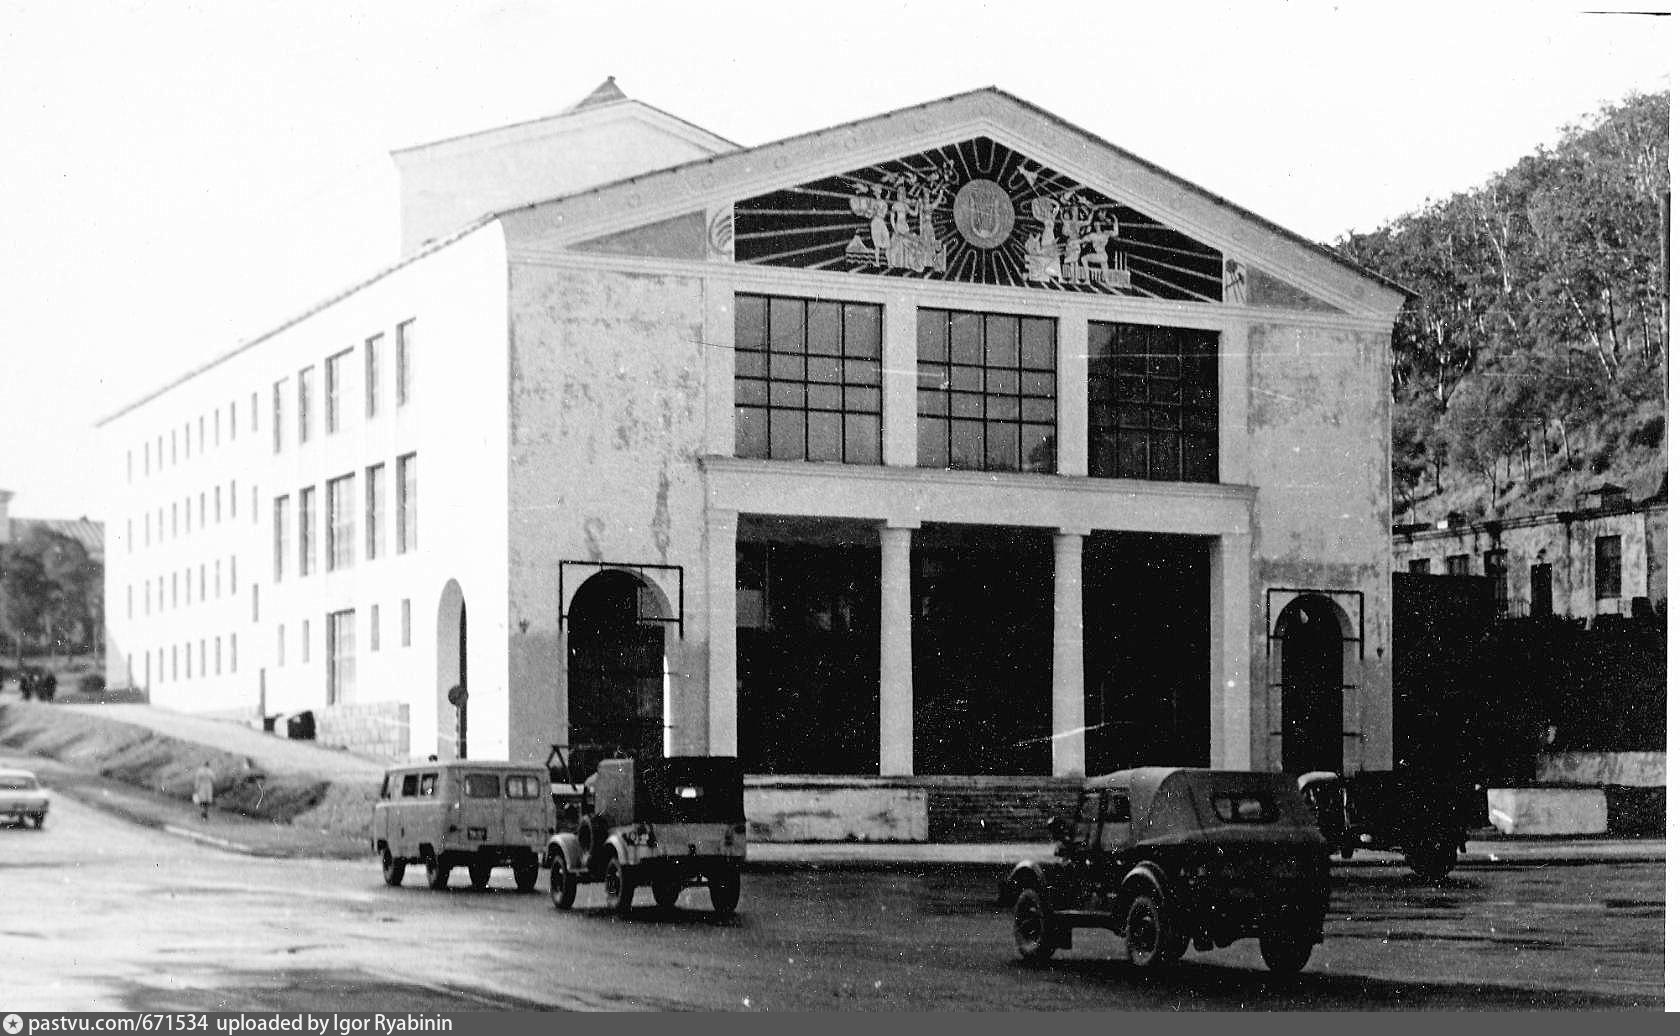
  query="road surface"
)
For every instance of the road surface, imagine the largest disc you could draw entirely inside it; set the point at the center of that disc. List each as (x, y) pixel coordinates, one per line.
(101, 914)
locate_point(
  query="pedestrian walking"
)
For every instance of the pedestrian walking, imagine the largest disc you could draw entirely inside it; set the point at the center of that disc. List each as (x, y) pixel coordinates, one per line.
(204, 789)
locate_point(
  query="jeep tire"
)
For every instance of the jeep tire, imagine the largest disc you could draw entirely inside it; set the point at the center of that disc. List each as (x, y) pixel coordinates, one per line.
(480, 875)
(620, 885)
(562, 885)
(725, 887)
(1152, 940)
(1432, 859)
(666, 891)
(525, 873)
(1035, 936)
(1286, 951)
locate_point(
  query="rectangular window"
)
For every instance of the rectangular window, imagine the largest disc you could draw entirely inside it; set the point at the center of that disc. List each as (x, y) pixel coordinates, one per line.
(256, 611)
(279, 414)
(203, 510)
(148, 598)
(201, 434)
(131, 466)
(254, 428)
(280, 644)
(306, 530)
(1458, 564)
(174, 662)
(218, 505)
(233, 574)
(203, 581)
(203, 658)
(1419, 566)
(187, 579)
(341, 522)
(807, 380)
(305, 402)
(406, 640)
(148, 528)
(187, 509)
(282, 534)
(372, 362)
(131, 600)
(146, 458)
(1607, 567)
(186, 649)
(407, 515)
(174, 589)
(218, 656)
(233, 652)
(218, 577)
(405, 362)
(341, 657)
(128, 537)
(375, 511)
(1154, 403)
(986, 391)
(337, 365)
(174, 448)
(233, 498)
(233, 419)
(303, 643)
(373, 628)
(186, 440)
(1540, 590)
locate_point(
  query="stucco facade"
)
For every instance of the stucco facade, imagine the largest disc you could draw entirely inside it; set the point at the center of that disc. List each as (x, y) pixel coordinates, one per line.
(639, 559)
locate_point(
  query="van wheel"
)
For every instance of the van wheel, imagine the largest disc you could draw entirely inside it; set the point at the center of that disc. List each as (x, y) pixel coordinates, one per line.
(40, 821)
(480, 874)
(562, 886)
(620, 885)
(525, 874)
(725, 885)
(437, 873)
(391, 867)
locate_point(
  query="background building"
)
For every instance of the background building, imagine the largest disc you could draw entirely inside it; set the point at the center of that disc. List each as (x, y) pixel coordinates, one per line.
(954, 441)
(1609, 557)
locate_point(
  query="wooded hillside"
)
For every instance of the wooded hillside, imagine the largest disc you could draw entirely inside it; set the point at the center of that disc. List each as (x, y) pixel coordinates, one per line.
(1533, 363)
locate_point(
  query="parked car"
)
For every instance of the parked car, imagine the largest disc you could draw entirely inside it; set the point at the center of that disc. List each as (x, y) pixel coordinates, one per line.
(670, 824)
(463, 813)
(1168, 858)
(1426, 816)
(22, 799)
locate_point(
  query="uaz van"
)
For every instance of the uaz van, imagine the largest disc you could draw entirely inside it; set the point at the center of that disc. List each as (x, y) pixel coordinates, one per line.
(463, 813)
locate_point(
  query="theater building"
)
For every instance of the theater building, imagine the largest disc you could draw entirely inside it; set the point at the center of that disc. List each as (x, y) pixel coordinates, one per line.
(953, 441)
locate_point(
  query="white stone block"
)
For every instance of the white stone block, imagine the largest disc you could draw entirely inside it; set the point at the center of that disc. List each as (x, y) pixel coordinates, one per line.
(1548, 811)
(835, 814)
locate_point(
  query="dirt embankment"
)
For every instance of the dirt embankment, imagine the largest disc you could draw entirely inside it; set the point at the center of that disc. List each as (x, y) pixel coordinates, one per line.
(157, 762)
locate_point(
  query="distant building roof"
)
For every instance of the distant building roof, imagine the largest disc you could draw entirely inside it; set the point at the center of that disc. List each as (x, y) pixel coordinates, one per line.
(89, 533)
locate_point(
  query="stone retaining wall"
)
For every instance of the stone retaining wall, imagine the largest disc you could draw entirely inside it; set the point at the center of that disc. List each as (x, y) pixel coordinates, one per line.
(372, 728)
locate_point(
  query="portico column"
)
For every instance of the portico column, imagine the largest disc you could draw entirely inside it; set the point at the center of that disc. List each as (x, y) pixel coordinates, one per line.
(720, 632)
(898, 712)
(1067, 660)
(1230, 614)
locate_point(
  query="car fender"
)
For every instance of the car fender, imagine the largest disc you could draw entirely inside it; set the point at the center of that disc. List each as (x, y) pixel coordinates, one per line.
(1026, 874)
(566, 849)
(1148, 877)
(620, 847)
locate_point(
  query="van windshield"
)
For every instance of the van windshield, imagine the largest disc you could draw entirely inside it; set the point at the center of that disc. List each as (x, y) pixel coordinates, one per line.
(15, 782)
(483, 786)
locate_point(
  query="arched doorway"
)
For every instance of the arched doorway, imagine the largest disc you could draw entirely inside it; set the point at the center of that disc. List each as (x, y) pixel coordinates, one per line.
(452, 692)
(1310, 629)
(615, 663)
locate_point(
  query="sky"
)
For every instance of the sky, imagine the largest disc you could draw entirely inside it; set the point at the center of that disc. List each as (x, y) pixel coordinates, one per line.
(177, 178)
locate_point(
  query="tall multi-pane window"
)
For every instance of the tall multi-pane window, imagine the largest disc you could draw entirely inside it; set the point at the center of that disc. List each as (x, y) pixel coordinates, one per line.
(407, 514)
(233, 652)
(233, 498)
(305, 402)
(1154, 395)
(303, 643)
(375, 511)
(341, 522)
(306, 530)
(986, 391)
(254, 418)
(233, 419)
(807, 380)
(405, 362)
(218, 505)
(373, 362)
(1458, 564)
(1493, 566)
(279, 418)
(373, 628)
(282, 534)
(280, 644)
(341, 657)
(405, 614)
(337, 365)
(1607, 567)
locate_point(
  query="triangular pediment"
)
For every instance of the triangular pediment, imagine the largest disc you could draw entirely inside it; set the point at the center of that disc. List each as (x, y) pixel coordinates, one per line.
(979, 188)
(975, 211)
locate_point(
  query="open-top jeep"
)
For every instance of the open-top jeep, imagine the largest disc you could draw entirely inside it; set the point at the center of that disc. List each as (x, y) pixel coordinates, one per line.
(1167, 858)
(667, 823)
